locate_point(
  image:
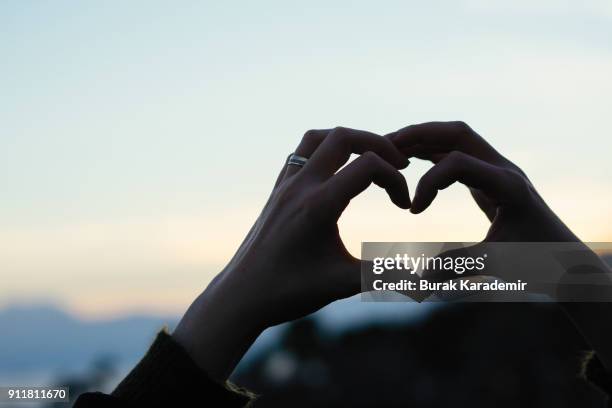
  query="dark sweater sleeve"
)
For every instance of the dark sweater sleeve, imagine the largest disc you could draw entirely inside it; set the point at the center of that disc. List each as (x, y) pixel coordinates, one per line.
(167, 376)
(594, 371)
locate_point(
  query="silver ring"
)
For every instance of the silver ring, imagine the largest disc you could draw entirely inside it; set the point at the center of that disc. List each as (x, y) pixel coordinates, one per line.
(296, 160)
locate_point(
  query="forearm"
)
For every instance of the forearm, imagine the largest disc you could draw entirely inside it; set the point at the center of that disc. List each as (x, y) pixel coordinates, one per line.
(217, 330)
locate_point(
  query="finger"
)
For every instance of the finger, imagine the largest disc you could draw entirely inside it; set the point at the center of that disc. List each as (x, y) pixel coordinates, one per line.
(498, 183)
(431, 153)
(359, 174)
(445, 137)
(336, 149)
(310, 142)
(424, 152)
(281, 174)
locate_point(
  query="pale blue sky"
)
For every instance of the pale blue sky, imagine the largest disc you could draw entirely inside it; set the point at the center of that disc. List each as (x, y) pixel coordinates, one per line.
(139, 139)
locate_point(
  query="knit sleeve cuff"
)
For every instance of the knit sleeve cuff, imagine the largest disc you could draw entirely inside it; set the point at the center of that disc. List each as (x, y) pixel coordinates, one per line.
(594, 372)
(167, 376)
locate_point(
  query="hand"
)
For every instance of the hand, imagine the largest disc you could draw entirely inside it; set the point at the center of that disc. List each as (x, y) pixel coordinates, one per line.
(509, 200)
(293, 261)
(499, 187)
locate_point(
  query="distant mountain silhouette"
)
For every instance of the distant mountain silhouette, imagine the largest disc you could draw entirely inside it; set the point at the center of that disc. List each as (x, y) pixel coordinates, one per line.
(43, 337)
(46, 338)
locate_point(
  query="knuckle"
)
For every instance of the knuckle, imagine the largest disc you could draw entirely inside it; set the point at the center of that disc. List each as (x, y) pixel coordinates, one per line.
(370, 158)
(311, 136)
(338, 132)
(461, 127)
(516, 181)
(519, 170)
(458, 161)
(455, 157)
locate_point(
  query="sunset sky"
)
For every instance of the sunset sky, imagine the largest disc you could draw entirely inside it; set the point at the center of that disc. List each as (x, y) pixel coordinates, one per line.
(139, 140)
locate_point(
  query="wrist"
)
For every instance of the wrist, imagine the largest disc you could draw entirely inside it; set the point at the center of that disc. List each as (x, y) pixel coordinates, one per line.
(216, 331)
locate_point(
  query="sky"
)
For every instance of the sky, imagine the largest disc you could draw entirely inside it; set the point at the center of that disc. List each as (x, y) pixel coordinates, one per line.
(139, 140)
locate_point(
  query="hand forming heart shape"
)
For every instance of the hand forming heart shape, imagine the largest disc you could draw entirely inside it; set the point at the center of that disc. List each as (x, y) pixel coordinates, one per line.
(500, 188)
(293, 261)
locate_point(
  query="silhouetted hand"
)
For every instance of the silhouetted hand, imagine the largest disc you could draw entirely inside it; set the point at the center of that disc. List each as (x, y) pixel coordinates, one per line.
(293, 261)
(499, 187)
(505, 194)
